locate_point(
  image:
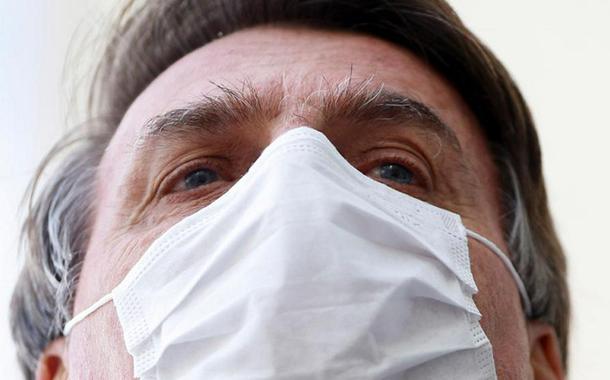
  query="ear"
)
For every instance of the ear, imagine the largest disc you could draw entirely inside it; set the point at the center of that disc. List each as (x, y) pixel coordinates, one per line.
(545, 357)
(52, 364)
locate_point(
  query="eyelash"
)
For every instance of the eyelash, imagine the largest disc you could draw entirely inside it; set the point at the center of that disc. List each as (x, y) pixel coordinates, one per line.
(368, 163)
(167, 185)
(422, 178)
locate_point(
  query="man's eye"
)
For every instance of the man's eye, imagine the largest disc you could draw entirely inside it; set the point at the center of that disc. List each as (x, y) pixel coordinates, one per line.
(395, 172)
(199, 177)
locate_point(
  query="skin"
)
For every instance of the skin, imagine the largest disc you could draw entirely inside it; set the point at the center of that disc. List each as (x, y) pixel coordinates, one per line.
(129, 216)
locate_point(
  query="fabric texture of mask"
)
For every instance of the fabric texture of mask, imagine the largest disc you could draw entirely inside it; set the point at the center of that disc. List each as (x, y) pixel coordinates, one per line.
(306, 269)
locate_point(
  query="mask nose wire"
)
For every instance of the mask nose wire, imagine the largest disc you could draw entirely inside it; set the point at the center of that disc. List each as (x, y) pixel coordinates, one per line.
(527, 305)
(85, 313)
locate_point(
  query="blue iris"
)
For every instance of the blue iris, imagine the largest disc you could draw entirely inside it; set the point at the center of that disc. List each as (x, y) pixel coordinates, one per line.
(396, 173)
(199, 177)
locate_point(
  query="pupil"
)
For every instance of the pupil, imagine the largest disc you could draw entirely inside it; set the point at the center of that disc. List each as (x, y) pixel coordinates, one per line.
(199, 177)
(395, 172)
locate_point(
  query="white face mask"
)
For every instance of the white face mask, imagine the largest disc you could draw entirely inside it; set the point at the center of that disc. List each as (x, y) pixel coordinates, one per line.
(306, 269)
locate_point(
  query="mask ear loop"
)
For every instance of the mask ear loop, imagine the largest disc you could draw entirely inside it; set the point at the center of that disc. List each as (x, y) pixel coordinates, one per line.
(524, 296)
(527, 305)
(85, 313)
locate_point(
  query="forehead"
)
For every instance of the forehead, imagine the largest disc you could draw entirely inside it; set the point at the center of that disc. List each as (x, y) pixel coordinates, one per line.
(303, 60)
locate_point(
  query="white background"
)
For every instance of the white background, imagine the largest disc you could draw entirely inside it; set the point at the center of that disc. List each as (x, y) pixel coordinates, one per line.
(558, 52)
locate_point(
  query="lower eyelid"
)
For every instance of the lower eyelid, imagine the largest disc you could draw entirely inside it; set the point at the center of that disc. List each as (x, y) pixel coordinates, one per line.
(369, 160)
(220, 165)
(204, 194)
(422, 178)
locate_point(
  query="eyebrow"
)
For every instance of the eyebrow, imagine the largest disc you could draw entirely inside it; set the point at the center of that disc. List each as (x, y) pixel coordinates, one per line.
(344, 102)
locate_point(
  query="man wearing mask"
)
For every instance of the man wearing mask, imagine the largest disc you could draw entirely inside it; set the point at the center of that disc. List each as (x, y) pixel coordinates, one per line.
(295, 190)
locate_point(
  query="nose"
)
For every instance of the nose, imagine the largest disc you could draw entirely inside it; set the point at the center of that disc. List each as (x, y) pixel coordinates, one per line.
(280, 128)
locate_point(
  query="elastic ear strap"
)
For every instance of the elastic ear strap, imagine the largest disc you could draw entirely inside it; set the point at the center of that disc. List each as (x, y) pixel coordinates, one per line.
(524, 296)
(527, 305)
(85, 313)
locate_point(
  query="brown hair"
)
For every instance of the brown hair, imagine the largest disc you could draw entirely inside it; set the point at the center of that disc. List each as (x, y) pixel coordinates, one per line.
(150, 38)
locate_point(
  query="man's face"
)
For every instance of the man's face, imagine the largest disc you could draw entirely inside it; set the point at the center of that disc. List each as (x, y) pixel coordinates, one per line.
(272, 80)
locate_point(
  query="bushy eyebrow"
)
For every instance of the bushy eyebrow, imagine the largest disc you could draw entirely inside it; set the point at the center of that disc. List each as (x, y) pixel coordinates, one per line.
(344, 102)
(214, 114)
(360, 103)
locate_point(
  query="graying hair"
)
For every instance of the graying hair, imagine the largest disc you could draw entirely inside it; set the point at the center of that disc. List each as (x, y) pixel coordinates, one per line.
(532, 267)
(150, 38)
(54, 237)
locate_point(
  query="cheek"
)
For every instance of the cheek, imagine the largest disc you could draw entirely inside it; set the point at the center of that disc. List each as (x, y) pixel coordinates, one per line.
(96, 349)
(502, 315)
